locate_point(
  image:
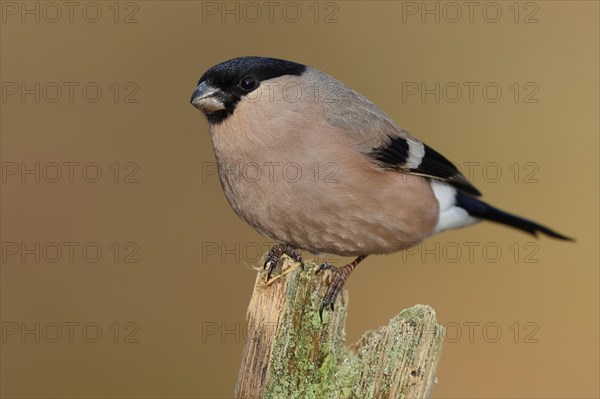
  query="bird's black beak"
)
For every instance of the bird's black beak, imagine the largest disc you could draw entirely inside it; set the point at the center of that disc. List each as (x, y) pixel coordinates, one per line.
(207, 98)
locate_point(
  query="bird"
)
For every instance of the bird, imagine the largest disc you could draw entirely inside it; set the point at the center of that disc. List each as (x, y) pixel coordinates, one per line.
(313, 165)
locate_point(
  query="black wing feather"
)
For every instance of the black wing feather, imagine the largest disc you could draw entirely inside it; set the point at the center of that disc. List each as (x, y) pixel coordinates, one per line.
(433, 164)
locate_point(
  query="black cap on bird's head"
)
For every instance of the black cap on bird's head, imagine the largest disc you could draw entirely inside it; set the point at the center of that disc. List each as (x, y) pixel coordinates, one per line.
(223, 85)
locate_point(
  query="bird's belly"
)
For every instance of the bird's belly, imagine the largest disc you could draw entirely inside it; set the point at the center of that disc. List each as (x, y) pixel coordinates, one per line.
(332, 208)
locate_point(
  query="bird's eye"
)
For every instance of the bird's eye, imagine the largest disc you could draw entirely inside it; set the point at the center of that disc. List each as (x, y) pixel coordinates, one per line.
(248, 83)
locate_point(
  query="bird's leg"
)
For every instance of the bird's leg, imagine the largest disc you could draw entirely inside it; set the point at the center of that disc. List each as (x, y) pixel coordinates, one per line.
(272, 258)
(338, 279)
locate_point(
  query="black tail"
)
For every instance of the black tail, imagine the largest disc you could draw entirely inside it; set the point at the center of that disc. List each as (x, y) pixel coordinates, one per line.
(482, 210)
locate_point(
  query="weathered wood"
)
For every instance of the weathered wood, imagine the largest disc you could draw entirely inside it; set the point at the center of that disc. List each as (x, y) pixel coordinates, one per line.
(289, 353)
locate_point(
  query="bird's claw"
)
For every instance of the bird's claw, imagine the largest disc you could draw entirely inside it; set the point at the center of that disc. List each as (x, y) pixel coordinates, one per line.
(324, 266)
(338, 279)
(275, 254)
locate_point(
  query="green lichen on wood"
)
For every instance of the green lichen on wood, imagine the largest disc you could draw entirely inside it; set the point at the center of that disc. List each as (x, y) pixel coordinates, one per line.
(308, 358)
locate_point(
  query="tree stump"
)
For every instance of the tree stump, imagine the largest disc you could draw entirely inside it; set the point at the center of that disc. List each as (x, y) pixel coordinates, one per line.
(289, 353)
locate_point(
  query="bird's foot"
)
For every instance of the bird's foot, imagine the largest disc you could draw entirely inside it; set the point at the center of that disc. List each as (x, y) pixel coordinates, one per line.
(338, 279)
(339, 275)
(275, 254)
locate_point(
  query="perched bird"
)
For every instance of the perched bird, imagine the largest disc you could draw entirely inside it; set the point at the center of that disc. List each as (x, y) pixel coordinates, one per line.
(314, 165)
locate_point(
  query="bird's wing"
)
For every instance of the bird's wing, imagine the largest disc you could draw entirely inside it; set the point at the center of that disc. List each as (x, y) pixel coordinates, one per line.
(378, 136)
(412, 156)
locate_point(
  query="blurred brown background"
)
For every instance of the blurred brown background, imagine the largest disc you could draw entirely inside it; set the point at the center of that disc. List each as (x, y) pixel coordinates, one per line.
(124, 271)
